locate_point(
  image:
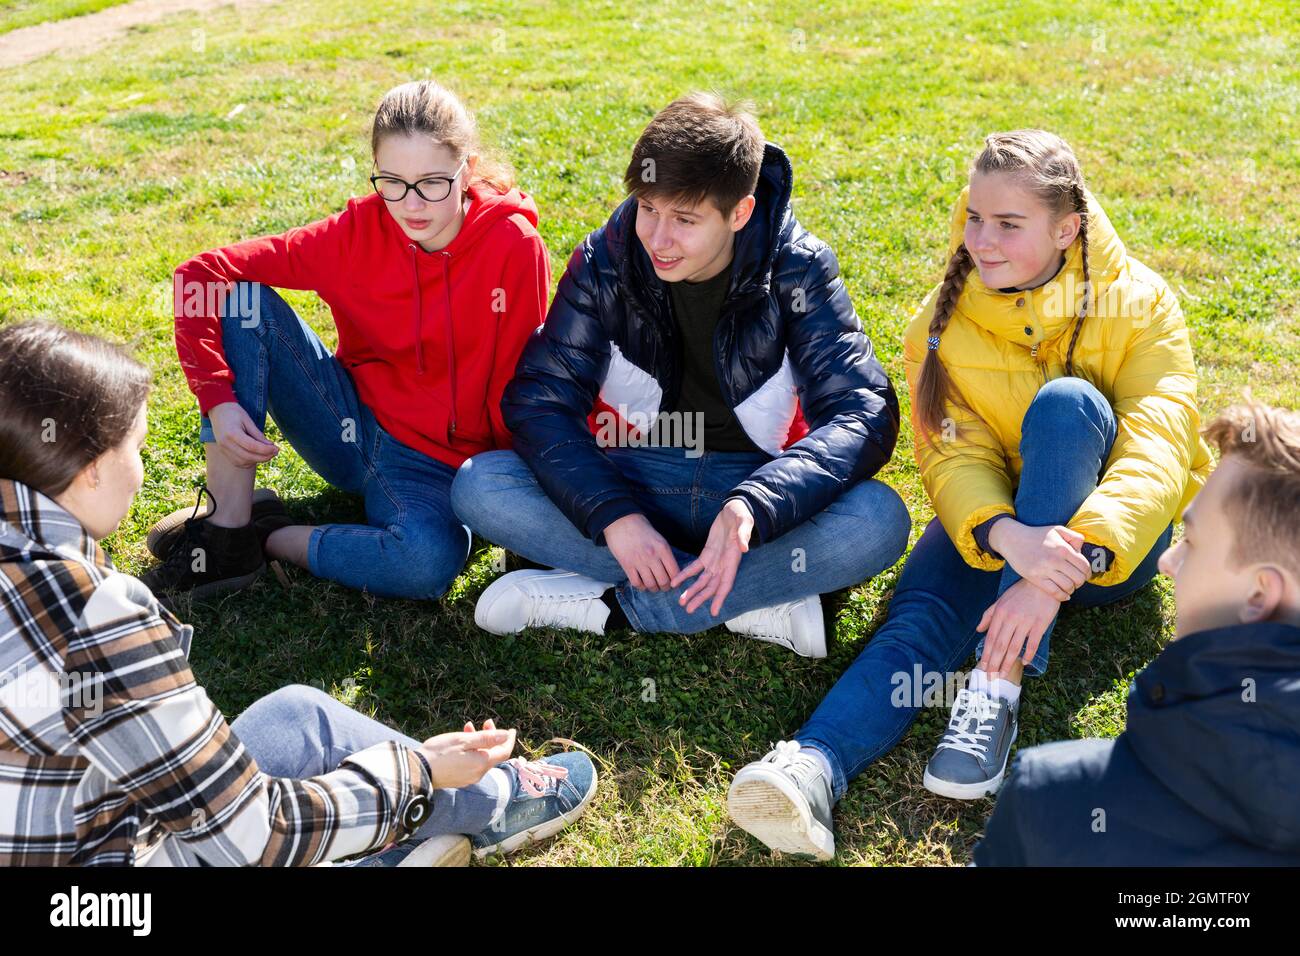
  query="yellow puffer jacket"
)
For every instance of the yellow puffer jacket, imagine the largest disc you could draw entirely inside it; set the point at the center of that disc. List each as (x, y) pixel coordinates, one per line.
(1133, 348)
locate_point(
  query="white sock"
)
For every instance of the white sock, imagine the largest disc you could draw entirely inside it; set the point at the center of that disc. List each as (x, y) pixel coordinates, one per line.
(500, 780)
(995, 687)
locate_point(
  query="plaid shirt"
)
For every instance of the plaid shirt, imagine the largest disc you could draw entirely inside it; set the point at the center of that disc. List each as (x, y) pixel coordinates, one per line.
(111, 754)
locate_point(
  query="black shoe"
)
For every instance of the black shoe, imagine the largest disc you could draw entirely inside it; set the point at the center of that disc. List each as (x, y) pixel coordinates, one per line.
(269, 514)
(206, 559)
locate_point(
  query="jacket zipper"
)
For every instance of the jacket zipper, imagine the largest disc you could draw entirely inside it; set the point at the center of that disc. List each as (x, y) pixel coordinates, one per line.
(1033, 352)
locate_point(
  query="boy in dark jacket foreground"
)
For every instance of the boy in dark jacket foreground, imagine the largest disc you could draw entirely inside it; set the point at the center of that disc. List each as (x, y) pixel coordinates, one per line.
(1208, 769)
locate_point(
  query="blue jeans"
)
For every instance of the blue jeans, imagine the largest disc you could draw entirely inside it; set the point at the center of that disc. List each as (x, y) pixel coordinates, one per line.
(1066, 436)
(298, 732)
(857, 536)
(413, 545)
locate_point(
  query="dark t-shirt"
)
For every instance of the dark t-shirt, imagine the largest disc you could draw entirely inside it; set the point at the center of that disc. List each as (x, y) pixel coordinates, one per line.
(697, 306)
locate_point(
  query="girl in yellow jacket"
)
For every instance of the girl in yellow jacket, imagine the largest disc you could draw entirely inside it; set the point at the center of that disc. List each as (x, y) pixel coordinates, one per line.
(1054, 404)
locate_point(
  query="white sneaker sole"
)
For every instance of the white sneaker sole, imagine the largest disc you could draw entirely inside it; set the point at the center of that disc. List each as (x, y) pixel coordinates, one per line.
(543, 831)
(765, 804)
(970, 791)
(449, 850)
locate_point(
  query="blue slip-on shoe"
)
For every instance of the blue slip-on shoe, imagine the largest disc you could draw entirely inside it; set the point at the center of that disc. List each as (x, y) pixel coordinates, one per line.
(547, 795)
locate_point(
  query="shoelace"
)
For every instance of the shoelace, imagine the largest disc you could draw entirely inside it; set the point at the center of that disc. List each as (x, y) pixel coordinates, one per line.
(180, 553)
(786, 756)
(538, 778)
(549, 609)
(775, 622)
(973, 708)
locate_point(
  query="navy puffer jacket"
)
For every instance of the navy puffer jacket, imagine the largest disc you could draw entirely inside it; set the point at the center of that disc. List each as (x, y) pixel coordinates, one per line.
(1206, 774)
(788, 340)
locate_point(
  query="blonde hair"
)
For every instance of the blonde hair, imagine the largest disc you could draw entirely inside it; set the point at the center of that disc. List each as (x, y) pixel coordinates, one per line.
(1047, 167)
(424, 108)
(1263, 505)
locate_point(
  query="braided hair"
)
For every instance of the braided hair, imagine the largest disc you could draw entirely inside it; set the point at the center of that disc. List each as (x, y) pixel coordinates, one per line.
(1081, 207)
(934, 386)
(1045, 164)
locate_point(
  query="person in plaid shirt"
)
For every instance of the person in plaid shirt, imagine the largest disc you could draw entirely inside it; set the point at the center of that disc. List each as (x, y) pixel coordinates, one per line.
(112, 754)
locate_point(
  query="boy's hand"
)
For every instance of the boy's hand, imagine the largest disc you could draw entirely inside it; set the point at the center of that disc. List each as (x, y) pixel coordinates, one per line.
(641, 551)
(719, 561)
(1017, 619)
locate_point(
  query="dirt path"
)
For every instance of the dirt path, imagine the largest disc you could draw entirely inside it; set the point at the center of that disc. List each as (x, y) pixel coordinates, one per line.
(90, 32)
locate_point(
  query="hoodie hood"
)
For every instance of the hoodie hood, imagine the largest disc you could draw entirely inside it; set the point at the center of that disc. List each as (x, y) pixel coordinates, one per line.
(487, 206)
(1216, 718)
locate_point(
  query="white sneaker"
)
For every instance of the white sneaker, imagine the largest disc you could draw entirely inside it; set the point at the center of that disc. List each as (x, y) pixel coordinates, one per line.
(540, 598)
(785, 801)
(796, 625)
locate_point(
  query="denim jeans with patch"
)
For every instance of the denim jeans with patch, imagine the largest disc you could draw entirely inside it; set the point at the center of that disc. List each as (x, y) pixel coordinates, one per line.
(858, 535)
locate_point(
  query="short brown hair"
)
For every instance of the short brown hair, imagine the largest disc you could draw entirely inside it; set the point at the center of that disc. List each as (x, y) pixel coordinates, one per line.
(68, 397)
(1264, 507)
(697, 147)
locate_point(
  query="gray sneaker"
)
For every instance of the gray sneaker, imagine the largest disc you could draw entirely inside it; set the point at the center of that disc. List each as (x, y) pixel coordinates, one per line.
(971, 760)
(785, 801)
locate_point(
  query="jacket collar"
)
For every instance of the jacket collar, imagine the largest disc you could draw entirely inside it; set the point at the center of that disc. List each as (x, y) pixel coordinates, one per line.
(32, 521)
(1208, 662)
(1050, 310)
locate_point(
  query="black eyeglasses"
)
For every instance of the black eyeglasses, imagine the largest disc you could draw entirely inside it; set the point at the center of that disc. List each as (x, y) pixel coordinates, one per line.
(435, 188)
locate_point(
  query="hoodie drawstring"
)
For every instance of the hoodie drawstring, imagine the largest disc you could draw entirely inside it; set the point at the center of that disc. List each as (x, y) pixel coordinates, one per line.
(419, 328)
(451, 338)
(419, 320)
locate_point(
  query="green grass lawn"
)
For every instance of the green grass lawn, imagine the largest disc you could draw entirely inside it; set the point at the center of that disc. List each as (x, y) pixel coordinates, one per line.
(119, 165)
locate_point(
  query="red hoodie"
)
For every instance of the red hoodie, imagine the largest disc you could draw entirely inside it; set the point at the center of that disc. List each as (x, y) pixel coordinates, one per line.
(430, 338)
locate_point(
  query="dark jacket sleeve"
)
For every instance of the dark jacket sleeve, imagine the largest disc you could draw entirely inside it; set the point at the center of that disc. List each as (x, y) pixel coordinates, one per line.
(847, 400)
(546, 404)
(1003, 844)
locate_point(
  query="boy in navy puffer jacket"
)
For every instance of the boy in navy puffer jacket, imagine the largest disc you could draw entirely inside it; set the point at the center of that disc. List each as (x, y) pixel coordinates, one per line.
(1207, 771)
(715, 343)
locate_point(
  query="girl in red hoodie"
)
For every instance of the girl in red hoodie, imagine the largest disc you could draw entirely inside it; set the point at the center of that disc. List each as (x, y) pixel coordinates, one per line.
(435, 281)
